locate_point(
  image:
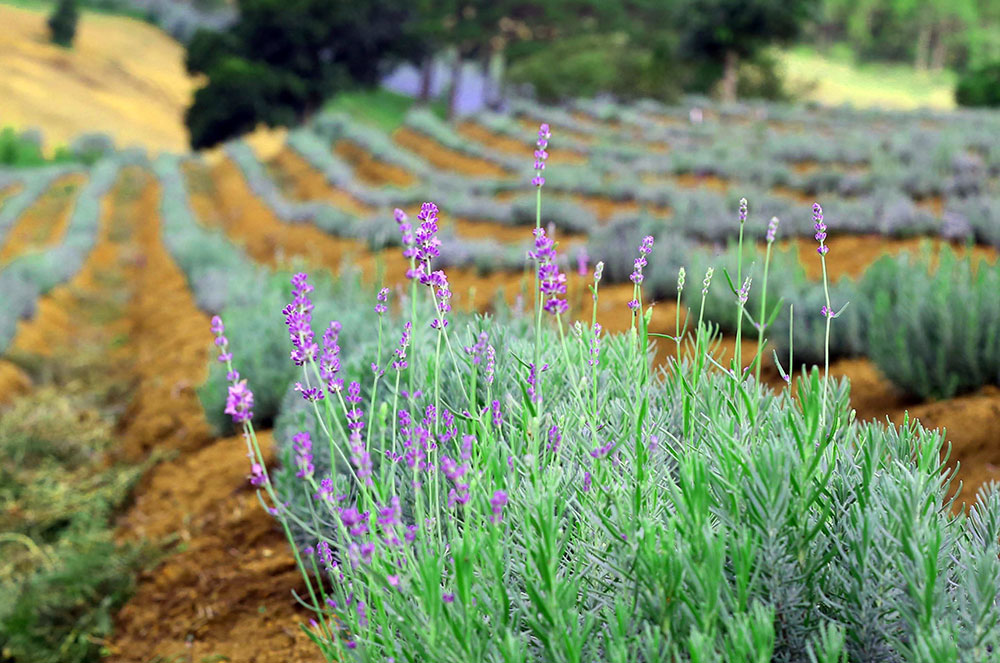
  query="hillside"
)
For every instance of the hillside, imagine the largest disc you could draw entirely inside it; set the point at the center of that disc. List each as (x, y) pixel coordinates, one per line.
(122, 77)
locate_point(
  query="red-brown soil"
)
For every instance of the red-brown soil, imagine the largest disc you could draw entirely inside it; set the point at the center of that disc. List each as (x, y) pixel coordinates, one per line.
(446, 158)
(369, 169)
(43, 224)
(306, 183)
(851, 255)
(526, 147)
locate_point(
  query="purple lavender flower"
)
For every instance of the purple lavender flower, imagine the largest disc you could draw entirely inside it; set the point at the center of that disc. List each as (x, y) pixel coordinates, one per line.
(491, 363)
(329, 361)
(497, 414)
(826, 312)
(707, 282)
(533, 382)
(354, 521)
(326, 490)
(581, 261)
(302, 443)
(772, 230)
(820, 228)
(426, 241)
(310, 394)
(239, 402)
(743, 211)
(586, 482)
(551, 282)
(399, 363)
(498, 502)
(645, 248)
(478, 350)
(633, 305)
(442, 298)
(325, 553)
(257, 476)
(595, 345)
(541, 155)
(555, 438)
(744, 292)
(222, 343)
(603, 450)
(298, 318)
(381, 299)
(448, 597)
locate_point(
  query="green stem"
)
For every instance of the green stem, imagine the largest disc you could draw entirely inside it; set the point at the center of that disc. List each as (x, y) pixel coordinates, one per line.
(763, 312)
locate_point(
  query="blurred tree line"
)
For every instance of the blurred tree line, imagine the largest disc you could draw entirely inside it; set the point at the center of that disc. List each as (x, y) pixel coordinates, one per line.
(931, 34)
(283, 58)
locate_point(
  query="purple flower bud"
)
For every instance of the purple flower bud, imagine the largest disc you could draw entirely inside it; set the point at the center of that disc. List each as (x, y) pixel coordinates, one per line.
(381, 299)
(772, 230)
(541, 155)
(820, 228)
(743, 211)
(239, 403)
(302, 443)
(498, 501)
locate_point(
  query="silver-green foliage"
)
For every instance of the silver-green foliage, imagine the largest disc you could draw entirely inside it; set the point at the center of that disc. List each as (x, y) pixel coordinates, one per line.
(935, 331)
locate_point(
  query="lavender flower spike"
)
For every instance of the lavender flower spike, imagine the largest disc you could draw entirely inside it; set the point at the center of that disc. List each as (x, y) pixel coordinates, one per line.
(820, 228)
(772, 230)
(551, 282)
(541, 155)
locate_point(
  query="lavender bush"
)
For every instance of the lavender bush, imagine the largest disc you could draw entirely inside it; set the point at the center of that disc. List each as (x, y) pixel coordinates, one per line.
(541, 493)
(935, 332)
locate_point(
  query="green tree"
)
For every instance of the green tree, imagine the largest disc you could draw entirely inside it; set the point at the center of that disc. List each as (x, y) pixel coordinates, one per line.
(723, 32)
(62, 22)
(283, 58)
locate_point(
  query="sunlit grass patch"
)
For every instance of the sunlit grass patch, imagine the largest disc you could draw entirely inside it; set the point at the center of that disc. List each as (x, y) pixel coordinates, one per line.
(835, 80)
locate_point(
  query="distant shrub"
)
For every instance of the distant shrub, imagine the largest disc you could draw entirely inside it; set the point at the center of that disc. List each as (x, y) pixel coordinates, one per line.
(935, 332)
(62, 22)
(594, 64)
(980, 86)
(90, 147)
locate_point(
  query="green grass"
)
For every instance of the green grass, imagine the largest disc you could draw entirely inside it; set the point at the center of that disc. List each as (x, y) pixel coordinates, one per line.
(382, 108)
(835, 79)
(63, 576)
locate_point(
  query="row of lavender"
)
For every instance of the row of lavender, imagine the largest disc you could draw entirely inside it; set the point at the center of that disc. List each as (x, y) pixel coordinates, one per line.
(27, 277)
(534, 490)
(961, 359)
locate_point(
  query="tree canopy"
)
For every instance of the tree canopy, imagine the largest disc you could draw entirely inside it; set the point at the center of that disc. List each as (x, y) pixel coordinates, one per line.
(282, 58)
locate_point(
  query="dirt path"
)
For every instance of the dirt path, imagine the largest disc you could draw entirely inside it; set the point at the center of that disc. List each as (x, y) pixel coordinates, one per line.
(229, 561)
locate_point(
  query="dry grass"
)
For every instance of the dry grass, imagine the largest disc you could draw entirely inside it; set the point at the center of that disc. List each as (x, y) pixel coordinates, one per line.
(122, 77)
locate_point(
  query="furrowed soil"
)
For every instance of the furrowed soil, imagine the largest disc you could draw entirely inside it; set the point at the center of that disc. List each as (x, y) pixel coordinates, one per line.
(43, 224)
(446, 158)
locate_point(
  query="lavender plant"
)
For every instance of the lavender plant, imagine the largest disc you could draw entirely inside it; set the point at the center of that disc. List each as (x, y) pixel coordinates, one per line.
(935, 330)
(541, 493)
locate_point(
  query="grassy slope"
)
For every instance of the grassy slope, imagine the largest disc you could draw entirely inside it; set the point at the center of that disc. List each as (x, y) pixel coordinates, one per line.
(123, 77)
(835, 80)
